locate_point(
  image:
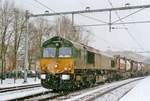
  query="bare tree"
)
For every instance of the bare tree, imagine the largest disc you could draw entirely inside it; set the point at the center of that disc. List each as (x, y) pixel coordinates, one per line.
(86, 35)
(39, 31)
(5, 29)
(18, 28)
(63, 27)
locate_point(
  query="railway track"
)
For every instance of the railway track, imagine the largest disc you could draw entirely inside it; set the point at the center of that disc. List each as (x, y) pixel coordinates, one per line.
(98, 92)
(2, 90)
(89, 94)
(51, 96)
(43, 97)
(21, 92)
(112, 91)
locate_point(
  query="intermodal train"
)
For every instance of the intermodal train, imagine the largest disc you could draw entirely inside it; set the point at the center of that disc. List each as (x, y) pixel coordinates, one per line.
(69, 65)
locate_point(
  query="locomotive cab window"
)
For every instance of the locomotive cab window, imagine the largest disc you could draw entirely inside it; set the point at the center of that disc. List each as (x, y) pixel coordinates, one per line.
(90, 57)
(49, 52)
(65, 52)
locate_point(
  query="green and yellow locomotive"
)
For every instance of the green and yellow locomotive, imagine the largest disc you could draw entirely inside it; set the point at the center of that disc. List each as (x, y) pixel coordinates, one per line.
(66, 65)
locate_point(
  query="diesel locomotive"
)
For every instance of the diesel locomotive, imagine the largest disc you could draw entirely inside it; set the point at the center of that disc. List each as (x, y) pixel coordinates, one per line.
(69, 65)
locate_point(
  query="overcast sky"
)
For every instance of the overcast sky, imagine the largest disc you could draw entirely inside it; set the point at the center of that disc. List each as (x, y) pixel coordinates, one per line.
(117, 39)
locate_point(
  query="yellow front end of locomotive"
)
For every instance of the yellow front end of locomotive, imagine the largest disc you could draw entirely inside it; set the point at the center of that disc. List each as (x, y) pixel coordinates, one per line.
(56, 66)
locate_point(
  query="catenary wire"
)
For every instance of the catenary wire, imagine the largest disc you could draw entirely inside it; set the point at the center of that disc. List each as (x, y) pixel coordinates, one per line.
(45, 6)
(92, 17)
(128, 15)
(134, 22)
(80, 14)
(129, 33)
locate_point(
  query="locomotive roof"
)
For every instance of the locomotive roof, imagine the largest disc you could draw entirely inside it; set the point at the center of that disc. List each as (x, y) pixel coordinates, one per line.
(56, 39)
(75, 44)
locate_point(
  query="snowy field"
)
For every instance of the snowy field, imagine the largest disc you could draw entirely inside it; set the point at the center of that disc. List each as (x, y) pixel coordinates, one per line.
(19, 82)
(141, 92)
(20, 93)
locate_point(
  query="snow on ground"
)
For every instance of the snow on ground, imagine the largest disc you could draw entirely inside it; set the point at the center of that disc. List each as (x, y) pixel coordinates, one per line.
(21, 93)
(19, 82)
(141, 92)
(116, 94)
(99, 89)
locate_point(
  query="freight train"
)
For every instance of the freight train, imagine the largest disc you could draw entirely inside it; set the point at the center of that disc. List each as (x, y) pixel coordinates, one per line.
(70, 65)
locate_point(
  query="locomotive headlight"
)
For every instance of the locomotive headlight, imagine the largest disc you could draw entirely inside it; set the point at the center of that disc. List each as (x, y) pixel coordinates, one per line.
(43, 76)
(56, 66)
(65, 77)
(65, 68)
